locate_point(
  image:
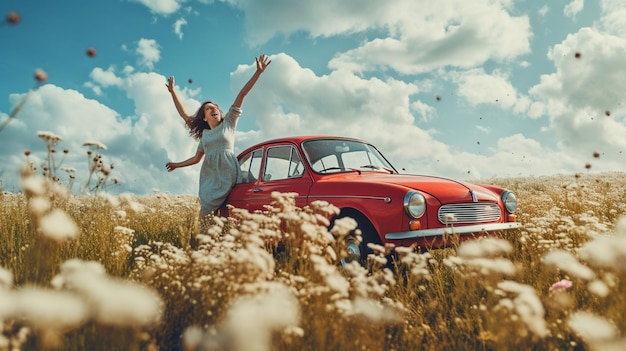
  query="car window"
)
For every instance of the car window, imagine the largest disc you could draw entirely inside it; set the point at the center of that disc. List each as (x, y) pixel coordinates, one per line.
(283, 162)
(326, 162)
(341, 155)
(360, 158)
(250, 165)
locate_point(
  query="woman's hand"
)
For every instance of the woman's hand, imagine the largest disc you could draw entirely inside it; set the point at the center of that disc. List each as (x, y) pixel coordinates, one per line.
(170, 84)
(261, 63)
(171, 166)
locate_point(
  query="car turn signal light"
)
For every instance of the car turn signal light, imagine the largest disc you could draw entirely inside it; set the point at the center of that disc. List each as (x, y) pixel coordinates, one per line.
(415, 225)
(512, 218)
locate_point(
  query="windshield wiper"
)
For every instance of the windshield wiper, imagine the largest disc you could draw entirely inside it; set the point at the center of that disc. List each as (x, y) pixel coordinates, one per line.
(377, 168)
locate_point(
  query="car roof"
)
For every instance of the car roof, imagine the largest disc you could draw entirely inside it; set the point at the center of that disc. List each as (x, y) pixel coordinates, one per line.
(297, 140)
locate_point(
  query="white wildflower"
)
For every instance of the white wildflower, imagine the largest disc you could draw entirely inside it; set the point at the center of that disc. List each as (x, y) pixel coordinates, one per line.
(331, 253)
(375, 311)
(48, 136)
(33, 186)
(334, 279)
(7, 305)
(95, 144)
(598, 288)
(58, 226)
(39, 205)
(6, 278)
(111, 199)
(192, 338)
(485, 247)
(123, 303)
(565, 261)
(591, 327)
(113, 302)
(124, 230)
(4, 343)
(607, 251)
(487, 266)
(620, 226)
(50, 309)
(449, 218)
(343, 226)
(527, 306)
(251, 320)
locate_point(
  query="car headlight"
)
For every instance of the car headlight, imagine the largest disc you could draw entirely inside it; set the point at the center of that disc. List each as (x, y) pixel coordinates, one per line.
(510, 201)
(414, 204)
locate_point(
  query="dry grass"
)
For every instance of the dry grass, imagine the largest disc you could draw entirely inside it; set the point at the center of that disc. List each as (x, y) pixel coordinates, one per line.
(127, 272)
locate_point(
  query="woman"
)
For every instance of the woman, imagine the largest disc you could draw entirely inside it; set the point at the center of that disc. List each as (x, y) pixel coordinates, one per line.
(216, 134)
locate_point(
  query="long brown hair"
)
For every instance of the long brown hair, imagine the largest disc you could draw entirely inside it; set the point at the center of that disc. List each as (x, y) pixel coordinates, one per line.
(197, 124)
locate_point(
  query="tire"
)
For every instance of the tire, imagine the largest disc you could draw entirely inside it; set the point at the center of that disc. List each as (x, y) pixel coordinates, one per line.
(359, 251)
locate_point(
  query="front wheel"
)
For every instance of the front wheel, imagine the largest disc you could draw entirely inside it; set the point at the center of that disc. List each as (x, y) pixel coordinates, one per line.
(358, 251)
(353, 249)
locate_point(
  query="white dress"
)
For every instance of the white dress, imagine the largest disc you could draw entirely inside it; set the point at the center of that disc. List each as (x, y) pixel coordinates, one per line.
(220, 168)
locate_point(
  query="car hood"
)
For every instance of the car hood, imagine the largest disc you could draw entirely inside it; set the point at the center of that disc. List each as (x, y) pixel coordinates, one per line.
(444, 189)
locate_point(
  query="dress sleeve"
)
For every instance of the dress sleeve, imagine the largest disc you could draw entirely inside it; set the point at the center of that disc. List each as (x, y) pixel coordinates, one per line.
(232, 116)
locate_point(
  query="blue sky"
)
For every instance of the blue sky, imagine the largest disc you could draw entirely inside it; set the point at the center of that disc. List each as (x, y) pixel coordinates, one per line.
(468, 90)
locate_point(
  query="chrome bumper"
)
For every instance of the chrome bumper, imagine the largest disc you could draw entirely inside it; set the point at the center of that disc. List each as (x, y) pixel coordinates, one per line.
(452, 230)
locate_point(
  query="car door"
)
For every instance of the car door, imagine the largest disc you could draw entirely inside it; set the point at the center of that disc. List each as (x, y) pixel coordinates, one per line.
(250, 166)
(283, 170)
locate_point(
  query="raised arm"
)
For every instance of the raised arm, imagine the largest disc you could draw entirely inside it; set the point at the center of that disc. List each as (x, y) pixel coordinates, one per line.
(179, 107)
(261, 63)
(188, 162)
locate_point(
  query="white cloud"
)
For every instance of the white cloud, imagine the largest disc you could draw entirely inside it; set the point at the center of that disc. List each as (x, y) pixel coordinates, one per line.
(105, 78)
(340, 102)
(138, 145)
(582, 91)
(458, 34)
(290, 97)
(573, 8)
(178, 27)
(96, 89)
(420, 35)
(478, 87)
(427, 112)
(595, 80)
(483, 129)
(66, 113)
(162, 7)
(149, 53)
(614, 17)
(323, 18)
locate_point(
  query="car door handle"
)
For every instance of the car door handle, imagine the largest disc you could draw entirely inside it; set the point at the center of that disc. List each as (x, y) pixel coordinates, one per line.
(257, 190)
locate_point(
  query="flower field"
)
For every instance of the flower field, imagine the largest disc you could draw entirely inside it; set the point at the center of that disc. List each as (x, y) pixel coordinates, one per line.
(127, 272)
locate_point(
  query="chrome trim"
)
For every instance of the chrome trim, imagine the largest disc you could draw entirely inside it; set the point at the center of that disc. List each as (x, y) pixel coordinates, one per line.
(474, 198)
(412, 234)
(505, 194)
(407, 197)
(267, 198)
(470, 213)
(385, 199)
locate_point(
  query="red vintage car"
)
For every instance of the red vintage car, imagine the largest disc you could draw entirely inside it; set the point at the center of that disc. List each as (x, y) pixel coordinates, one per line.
(389, 207)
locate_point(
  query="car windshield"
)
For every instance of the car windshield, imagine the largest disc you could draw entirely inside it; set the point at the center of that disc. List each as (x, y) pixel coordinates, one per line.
(344, 155)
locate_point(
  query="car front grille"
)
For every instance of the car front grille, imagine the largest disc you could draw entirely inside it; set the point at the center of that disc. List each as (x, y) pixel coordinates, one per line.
(475, 212)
